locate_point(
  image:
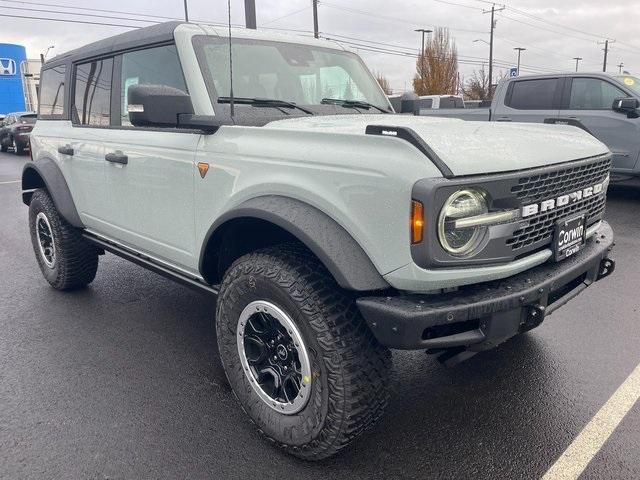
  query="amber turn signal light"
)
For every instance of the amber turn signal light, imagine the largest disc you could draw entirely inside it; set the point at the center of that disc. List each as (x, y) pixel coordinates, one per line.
(417, 221)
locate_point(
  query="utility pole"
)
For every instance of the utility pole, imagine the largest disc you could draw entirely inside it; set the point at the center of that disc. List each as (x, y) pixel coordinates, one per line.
(186, 11)
(577, 59)
(520, 50)
(315, 18)
(606, 44)
(493, 27)
(250, 14)
(620, 65)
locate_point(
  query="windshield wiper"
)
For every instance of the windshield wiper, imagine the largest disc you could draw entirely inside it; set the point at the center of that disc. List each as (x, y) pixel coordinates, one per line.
(263, 102)
(352, 104)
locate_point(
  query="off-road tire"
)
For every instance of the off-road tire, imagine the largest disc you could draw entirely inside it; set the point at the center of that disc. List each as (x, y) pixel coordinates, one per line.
(350, 369)
(76, 260)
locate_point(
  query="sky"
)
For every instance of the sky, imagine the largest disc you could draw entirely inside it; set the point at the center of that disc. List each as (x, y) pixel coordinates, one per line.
(553, 32)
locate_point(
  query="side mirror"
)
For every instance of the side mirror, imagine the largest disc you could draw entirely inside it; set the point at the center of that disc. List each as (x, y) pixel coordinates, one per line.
(626, 105)
(157, 105)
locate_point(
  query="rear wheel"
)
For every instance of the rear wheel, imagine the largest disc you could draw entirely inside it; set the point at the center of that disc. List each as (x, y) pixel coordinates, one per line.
(3, 146)
(66, 259)
(299, 357)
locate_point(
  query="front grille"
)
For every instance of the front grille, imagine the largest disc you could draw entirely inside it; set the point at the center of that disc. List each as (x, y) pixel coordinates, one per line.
(534, 188)
(539, 228)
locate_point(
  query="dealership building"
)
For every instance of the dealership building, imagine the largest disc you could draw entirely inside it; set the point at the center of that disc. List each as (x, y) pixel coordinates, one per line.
(19, 79)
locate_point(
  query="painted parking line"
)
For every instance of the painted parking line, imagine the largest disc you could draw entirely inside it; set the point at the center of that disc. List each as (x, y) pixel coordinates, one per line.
(9, 183)
(593, 436)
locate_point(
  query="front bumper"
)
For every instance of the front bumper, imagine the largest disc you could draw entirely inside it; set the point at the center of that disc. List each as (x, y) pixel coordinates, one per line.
(482, 316)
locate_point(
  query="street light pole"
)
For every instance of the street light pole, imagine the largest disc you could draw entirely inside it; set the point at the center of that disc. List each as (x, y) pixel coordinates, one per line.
(186, 11)
(577, 59)
(423, 31)
(520, 50)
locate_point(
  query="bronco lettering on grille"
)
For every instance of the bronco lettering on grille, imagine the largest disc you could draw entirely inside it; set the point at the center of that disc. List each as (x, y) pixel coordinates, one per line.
(562, 200)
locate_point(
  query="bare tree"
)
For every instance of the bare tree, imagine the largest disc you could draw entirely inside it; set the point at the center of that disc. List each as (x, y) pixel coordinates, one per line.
(437, 66)
(477, 87)
(383, 82)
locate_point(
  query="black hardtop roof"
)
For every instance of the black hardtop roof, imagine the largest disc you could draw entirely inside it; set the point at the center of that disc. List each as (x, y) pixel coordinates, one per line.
(140, 37)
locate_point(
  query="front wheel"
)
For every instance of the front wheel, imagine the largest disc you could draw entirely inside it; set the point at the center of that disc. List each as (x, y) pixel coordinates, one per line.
(299, 357)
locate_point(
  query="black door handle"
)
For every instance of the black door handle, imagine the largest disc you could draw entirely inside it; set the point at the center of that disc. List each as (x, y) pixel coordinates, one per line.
(66, 150)
(117, 157)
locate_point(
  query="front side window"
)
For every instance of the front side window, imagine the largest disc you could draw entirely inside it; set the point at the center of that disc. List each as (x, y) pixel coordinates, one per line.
(533, 94)
(52, 83)
(153, 66)
(593, 94)
(92, 87)
(301, 74)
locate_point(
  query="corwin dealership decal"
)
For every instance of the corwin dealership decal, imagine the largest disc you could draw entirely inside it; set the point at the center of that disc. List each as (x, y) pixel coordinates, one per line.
(563, 200)
(7, 66)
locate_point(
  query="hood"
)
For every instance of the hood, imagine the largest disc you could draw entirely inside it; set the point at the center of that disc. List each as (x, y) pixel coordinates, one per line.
(470, 148)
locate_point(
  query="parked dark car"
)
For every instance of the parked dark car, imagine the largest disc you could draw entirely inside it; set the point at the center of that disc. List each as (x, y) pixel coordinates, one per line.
(15, 131)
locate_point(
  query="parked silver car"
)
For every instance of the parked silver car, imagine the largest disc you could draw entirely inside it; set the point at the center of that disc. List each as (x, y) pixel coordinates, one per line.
(604, 105)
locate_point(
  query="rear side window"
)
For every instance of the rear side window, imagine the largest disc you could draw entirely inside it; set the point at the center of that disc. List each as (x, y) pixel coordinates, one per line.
(533, 94)
(593, 94)
(92, 93)
(153, 66)
(451, 102)
(52, 92)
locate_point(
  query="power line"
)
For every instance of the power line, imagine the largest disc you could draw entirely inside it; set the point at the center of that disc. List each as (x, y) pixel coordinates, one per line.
(89, 9)
(41, 10)
(290, 14)
(63, 20)
(404, 21)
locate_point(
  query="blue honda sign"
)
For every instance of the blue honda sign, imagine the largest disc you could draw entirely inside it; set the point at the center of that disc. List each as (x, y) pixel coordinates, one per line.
(513, 72)
(11, 81)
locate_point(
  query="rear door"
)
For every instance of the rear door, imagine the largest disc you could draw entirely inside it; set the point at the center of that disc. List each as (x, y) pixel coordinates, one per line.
(82, 151)
(588, 100)
(531, 100)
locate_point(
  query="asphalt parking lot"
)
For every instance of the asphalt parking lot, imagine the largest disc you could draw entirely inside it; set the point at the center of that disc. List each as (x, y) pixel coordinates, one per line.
(121, 380)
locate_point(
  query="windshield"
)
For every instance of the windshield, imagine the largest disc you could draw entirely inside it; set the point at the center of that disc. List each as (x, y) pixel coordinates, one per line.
(302, 74)
(632, 82)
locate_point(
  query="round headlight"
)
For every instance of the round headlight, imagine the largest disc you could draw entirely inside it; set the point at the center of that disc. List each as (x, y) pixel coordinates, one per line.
(461, 241)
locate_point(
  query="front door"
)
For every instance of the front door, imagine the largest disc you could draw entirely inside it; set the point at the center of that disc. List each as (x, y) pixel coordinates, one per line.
(150, 173)
(589, 101)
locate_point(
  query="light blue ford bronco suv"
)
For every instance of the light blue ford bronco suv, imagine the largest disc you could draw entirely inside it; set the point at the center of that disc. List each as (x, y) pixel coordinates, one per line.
(330, 229)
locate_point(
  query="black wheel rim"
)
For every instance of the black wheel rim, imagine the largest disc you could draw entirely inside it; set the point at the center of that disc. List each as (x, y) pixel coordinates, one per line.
(45, 239)
(274, 357)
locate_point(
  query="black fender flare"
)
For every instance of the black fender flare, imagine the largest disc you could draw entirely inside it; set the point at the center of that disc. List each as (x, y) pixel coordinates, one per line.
(329, 241)
(45, 173)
